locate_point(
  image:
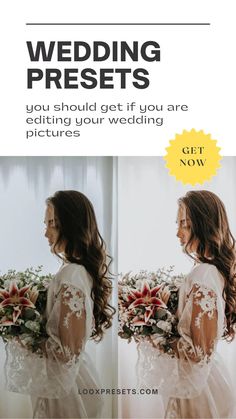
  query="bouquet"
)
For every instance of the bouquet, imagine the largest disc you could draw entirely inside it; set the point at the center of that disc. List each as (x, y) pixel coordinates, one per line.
(148, 303)
(23, 297)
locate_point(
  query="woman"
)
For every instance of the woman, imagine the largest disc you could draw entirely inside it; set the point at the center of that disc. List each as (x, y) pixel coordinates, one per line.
(192, 377)
(77, 308)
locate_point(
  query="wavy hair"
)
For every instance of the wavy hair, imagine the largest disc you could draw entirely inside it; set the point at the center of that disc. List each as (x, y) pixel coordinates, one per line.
(77, 227)
(215, 245)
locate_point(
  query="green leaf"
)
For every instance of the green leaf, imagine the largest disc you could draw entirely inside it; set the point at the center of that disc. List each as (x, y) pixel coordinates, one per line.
(29, 314)
(157, 330)
(161, 314)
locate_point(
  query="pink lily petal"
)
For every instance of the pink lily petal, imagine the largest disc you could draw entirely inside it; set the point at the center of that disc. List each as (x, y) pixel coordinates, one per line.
(23, 290)
(6, 323)
(6, 302)
(148, 313)
(25, 302)
(147, 302)
(157, 302)
(16, 314)
(33, 294)
(137, 294)
(146, 289)
(155, 290)
(136, 318)
(13, 289)
(138, 302)
(13, 301)
(4, 293)
(133, 295)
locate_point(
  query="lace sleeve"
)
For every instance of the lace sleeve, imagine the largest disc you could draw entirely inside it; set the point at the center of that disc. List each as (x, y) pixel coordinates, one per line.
(72, 323)
(53, 375)
(203, 326)
(184, 372)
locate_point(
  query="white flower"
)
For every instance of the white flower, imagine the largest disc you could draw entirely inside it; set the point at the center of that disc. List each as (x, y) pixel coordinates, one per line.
(34, 326)
(166, 326)
(26, 339)
(157, 339)
(7, 283)
(139, 284)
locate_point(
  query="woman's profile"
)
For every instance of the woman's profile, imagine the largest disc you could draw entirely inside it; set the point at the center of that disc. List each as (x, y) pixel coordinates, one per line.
(193, 378)
(77, 309)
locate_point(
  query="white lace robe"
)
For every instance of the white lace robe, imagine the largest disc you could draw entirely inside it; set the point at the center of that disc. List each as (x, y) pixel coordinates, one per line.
(194, 383)
(63, 382)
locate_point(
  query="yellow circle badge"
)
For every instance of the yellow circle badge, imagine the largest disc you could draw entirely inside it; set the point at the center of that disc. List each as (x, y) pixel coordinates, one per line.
(192, 157)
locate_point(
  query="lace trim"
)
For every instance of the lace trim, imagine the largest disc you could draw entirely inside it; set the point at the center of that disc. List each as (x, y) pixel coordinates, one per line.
(75, 300)
(40, 410)
(63, 353)
(172, 411)
(206, 299)
(54, 378)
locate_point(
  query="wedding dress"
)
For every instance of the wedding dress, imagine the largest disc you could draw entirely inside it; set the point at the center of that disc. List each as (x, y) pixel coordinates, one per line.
(194, 381)
(63, 383)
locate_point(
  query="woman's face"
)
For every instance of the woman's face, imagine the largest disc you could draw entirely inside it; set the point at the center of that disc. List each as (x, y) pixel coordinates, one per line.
(184, 230)
(52, 232)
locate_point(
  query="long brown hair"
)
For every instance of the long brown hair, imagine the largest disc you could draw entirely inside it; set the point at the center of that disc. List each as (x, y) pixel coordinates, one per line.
(215, 244)
(77, 227)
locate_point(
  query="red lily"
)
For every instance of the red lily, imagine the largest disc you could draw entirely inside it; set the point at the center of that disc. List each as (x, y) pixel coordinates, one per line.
(147, 298)
(15, 297)
(146, 291)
